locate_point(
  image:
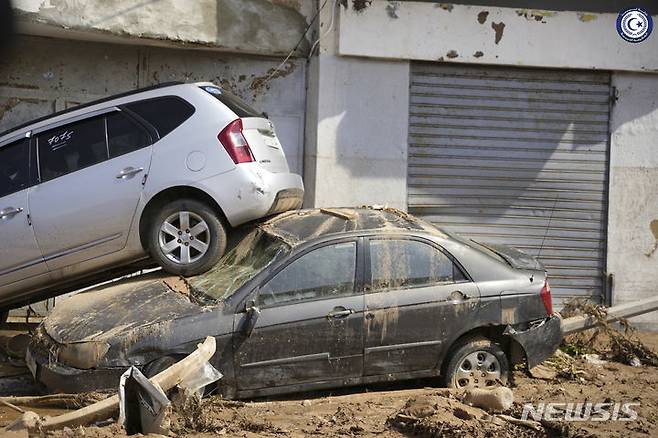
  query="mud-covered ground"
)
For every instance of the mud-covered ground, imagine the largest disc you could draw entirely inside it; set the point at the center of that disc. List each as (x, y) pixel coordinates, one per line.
(418, 408)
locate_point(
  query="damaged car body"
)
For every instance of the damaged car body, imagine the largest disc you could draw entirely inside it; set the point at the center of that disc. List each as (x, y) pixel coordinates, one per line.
(315, 299)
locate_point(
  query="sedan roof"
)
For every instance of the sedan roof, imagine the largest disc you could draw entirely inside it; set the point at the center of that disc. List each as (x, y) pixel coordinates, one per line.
(298, 226)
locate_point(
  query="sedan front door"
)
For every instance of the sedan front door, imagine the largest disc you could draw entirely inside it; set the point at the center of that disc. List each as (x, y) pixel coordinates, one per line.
(310, 329)
(417, 295)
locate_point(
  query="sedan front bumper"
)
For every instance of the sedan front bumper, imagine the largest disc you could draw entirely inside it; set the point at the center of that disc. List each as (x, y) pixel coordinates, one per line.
(59, 378)
(539, 341)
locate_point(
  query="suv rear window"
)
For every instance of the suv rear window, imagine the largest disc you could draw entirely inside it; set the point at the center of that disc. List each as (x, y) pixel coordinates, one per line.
(164, 113)
(233, 102)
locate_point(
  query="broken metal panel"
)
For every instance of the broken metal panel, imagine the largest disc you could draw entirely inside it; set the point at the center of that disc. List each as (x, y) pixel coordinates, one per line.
(517, 157)
(540, 341)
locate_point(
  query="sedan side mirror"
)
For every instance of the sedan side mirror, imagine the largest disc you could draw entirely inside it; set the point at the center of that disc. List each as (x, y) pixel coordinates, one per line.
(252, 314)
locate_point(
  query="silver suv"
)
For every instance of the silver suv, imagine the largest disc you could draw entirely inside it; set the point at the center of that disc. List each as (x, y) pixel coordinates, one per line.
(163, 172)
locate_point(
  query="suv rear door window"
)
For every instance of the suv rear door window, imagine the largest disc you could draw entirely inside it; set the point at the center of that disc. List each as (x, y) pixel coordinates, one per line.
(233, 102)
(71, 147)
(164, 113)
(14, 167)
(398, 264)
(124, 135)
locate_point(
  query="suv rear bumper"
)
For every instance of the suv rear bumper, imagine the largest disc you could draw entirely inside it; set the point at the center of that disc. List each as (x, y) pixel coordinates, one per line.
(249, 192)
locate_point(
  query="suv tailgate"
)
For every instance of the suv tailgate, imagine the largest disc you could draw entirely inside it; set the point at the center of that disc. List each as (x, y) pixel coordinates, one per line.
(265, 144)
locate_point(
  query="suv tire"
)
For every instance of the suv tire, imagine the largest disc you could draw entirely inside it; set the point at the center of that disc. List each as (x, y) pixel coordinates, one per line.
(186, 237)
(476, 362)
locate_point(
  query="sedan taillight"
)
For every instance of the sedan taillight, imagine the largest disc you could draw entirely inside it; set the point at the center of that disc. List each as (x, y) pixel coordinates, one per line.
(545, 295)
(235, 143)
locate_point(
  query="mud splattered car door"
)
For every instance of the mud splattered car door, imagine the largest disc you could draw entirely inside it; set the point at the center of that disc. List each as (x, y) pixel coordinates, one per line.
(416, 295)
(310, 327)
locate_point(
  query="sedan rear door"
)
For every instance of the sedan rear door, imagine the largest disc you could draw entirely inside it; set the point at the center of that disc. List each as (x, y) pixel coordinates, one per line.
(310, 329)
(416, 297)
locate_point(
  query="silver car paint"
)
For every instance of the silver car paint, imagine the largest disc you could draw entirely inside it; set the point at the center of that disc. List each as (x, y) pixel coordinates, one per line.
(89, 220)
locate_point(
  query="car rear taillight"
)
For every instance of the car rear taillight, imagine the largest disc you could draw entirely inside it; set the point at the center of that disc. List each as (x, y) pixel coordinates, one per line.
(545, 295)
(235, 144)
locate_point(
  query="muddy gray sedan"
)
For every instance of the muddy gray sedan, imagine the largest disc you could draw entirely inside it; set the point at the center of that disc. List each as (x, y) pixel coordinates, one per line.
(315, 299)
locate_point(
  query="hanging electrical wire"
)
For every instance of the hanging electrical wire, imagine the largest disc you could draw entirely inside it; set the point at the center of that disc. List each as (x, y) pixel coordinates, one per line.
(299, 43)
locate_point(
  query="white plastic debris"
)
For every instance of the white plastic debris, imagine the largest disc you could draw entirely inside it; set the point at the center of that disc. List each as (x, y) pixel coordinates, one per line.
(194, 383)
(594, 359)
(143, 405)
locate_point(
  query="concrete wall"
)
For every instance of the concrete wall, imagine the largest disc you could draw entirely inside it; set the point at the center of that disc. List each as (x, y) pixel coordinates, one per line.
(34, 83)
(271, 27)
(449, 32)
(356, 147)
(633, 215)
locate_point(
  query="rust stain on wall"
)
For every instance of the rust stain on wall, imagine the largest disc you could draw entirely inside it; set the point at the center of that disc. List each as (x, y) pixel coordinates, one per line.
(482, 16)
(8, 106)
(360, 5)
(498, 29)
(260, 83)
(392, 9)
(585, 18)
(537, 15)
(445, 6)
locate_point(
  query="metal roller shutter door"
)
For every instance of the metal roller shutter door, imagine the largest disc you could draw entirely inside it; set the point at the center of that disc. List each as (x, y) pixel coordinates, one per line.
(518, 157)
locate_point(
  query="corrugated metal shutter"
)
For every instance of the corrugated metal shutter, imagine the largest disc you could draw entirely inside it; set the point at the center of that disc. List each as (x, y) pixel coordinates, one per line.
(518, 157)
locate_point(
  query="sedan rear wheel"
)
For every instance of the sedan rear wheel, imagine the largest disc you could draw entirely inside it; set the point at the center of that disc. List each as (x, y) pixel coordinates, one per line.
(476, 363)
(186, 237)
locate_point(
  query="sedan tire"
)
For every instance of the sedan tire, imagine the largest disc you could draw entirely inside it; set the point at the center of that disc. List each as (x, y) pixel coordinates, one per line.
(476, 363)
(186, 237)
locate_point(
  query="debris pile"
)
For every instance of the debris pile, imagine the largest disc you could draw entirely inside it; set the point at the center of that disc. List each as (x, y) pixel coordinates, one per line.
(449, 414)
(614, 341)
(186, 370)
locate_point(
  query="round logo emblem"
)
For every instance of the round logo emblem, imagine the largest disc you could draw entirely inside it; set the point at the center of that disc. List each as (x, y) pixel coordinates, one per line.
(634, 25)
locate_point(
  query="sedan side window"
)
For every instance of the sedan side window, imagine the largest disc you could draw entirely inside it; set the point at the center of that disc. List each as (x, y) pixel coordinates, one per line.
(71, 147)
(124, 136)
(14, 167)
(323, 273)
(398, 264)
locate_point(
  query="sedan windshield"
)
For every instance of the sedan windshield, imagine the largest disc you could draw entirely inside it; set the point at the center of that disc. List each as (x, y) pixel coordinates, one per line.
(254, 253)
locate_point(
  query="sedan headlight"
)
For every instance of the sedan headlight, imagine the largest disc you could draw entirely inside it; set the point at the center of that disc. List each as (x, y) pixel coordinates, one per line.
(83, 355)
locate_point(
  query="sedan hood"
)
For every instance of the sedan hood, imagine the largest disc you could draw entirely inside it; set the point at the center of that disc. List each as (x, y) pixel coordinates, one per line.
(105, 313)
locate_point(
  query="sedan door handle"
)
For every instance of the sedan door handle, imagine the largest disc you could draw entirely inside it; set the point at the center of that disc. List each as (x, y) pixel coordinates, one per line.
(339, 312)
(458, 296)
(129, 171)
(10, 212)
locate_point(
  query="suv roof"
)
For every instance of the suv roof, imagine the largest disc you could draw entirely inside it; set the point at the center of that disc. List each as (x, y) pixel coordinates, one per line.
(89, 104)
